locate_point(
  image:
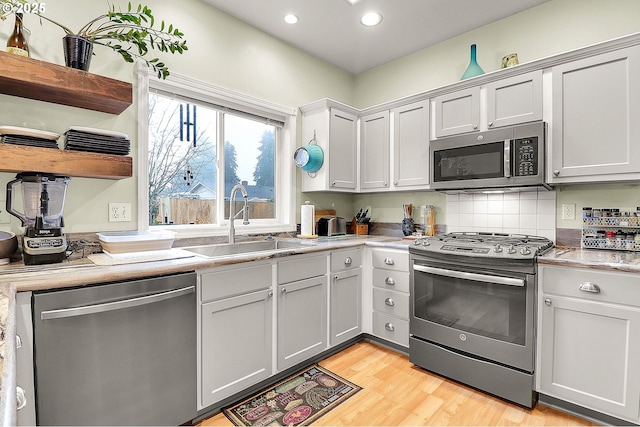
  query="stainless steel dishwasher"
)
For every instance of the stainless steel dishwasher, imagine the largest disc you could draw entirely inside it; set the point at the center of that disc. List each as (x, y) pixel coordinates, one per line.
(117, 354)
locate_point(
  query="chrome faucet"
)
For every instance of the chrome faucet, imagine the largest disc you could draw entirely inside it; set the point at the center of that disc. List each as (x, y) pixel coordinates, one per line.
(232, 208)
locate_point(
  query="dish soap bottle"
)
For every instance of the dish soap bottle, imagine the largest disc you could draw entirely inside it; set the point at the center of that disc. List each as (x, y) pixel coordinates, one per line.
(473, 69)
(17, 44)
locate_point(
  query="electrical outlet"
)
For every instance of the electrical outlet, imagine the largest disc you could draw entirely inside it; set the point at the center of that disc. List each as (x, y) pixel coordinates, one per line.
(119, 212)
(568, 211)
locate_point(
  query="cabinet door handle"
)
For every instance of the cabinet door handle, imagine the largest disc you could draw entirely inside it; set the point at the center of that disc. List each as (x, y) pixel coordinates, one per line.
(389, 327)
(283, 290)
(348, 260)
(490, 124)
(589, 287)
(389, 281)
(547, 301)
(333, 184)
(389, 302)
(475, 126)
(389, 261)
(556, 172)
(270, 294)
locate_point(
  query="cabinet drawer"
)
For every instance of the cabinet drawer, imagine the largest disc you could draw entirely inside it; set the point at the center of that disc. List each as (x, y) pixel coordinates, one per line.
(390, 259)
(392, 280)
(393, 303)
(346, 259)
(391, 328)
(298, 268)
(236, 280)
(614, 286)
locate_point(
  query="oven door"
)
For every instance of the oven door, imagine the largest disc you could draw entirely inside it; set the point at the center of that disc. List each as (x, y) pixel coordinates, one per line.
(484, 314)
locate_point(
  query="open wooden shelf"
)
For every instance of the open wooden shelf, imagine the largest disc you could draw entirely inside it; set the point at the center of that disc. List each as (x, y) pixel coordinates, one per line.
(44, 81)
(17, 158)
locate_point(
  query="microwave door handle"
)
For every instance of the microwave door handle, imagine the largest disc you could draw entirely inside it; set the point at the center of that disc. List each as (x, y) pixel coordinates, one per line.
(507, 158)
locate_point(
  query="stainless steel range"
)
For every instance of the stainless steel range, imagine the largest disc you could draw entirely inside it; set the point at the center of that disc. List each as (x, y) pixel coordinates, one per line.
(473, 310)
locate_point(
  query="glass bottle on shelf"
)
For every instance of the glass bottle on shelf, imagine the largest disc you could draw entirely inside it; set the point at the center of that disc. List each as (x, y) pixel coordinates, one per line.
(17, 43)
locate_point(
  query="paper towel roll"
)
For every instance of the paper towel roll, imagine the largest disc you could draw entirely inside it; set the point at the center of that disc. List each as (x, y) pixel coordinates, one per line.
(307, 217)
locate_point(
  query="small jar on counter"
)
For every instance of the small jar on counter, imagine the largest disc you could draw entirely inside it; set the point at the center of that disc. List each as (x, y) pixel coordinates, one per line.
(630, 241)
(596, 212)
(610, 240)
(601, 237)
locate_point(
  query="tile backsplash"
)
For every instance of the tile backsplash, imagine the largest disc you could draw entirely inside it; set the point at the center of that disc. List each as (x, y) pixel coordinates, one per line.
(527, 212)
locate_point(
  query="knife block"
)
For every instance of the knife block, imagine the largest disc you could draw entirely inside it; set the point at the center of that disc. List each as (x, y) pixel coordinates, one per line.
(355, 228)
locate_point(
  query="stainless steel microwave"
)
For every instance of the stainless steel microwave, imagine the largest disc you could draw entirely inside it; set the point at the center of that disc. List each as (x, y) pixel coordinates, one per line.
(510, 157)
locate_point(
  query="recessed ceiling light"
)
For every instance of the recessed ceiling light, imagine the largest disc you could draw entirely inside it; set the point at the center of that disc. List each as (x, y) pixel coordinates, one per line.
(290, 18)
(371, 19)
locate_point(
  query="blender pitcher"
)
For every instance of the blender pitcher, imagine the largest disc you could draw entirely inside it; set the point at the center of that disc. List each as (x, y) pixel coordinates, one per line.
(42, 199)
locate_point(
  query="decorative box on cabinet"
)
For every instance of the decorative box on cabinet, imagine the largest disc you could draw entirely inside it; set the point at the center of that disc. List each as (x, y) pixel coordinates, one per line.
(509, 101)
(595, 126)
(589, 342)
(391, 295)
(333, 126)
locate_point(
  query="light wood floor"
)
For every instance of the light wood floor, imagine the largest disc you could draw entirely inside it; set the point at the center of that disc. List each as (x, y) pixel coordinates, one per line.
(396, 393)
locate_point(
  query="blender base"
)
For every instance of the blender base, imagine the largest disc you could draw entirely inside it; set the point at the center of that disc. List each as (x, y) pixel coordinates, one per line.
(43, 258)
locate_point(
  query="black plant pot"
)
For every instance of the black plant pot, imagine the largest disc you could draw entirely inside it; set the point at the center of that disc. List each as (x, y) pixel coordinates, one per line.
(77, 51)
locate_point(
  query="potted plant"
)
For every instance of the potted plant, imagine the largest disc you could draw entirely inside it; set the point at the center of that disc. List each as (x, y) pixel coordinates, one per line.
(131, 34)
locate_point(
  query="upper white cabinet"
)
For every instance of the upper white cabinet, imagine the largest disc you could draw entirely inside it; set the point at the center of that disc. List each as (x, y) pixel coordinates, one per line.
(333, 126)
(411, 145)
(595, 127)
(509, 101)
(374, 151)
(395, 143)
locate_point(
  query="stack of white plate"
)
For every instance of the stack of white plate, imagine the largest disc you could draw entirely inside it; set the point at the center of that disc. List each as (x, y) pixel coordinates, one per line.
(29, 137)
(79, 138)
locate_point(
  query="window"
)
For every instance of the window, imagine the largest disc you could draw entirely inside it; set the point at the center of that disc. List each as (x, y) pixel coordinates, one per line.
(196, 142)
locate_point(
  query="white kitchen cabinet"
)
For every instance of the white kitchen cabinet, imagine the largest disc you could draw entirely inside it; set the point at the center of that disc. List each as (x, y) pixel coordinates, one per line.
(235, 330)
(595, 126)
(375, 151)
(333, 126)
(509, 101)
(345, 295)
(302, 309)
(589, 343)
(411, 146)
(391, 295)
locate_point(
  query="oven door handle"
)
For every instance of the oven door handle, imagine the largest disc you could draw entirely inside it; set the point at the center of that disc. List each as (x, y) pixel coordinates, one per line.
(470, 276)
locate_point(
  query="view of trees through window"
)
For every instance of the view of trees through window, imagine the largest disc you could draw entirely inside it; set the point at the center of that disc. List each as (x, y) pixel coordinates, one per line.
(184, 146)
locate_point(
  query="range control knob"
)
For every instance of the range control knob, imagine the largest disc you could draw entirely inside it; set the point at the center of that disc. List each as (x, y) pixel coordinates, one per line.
(426, 242)
(525, 251)
(416, 242)
(511, 249)
(497, 248)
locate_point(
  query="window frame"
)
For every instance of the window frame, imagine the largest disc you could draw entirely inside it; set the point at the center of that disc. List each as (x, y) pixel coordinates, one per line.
(285, 220)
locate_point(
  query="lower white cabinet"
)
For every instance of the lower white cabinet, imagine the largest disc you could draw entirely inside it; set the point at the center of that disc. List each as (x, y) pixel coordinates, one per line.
(589, 344)
(235, 330)
(302, 309)
(237, 350)
(345, 295)
(391, 295)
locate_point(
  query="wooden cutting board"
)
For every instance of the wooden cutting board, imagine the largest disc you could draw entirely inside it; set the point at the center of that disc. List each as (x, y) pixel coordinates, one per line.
(319, 213)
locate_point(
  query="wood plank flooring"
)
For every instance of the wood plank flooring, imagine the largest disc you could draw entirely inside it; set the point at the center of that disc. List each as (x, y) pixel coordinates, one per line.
(397, 393)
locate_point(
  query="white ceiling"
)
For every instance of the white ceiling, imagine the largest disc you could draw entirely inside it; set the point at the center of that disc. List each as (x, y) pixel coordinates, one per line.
(330, 29)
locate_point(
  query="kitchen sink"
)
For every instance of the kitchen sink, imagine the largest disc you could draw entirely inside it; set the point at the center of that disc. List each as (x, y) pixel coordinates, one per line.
(226, 249)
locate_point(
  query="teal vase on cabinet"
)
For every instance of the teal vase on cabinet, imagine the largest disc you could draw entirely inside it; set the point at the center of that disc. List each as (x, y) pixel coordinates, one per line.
(473, 69)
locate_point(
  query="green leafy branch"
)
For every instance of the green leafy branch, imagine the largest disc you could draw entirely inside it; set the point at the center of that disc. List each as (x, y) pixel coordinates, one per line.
(131, 34)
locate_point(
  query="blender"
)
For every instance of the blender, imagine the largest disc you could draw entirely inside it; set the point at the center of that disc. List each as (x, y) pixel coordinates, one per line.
(43, 199)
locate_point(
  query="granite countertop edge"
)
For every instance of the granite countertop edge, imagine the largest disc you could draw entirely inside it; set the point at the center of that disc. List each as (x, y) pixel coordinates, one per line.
(592, 258)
